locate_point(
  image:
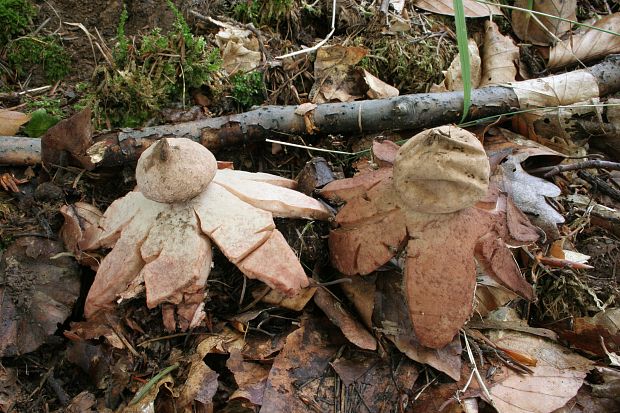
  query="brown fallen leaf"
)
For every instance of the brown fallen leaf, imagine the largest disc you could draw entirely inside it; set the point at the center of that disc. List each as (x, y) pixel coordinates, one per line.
(542, 30)
(239, 46)
(352, 329)
(70, 136)
(304, 359)
(588, 44)
(372, 383)
(11, 121)
(361, 292)
(335, 75)
(10, 390)
(251, 378)
(556, 378)
(586, 332)
(37, 293)
(500, 57)
(82, 403)
(378, 89)
(198, 390)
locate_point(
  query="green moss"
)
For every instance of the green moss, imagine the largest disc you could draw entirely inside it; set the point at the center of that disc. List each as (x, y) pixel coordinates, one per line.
(159, 70)
(262, 12)
(248, 89)
(27, 52)
(15, 17)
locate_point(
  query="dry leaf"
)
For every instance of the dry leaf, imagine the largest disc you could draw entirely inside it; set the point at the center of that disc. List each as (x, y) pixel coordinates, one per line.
(586, 332)
(382, 384)
(378, 89)
(472, 8)
(240, 49)
(453, 76)
(37, 293)
(352, 329)
(10, 121)
(528, 29)
(587, 45)
(529, 192)
(563, 89)
(335, 76)
(561, 128)
(499, 57)
(251, 378)
(304, 358)
(556, 378)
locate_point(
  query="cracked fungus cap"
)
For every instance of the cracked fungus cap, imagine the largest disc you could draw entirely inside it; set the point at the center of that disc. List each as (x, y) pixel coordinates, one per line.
(441, 170)
(175, 170)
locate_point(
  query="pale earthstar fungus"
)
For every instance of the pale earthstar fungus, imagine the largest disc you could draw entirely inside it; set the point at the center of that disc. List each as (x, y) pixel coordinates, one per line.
(161, 233)
(435, 199)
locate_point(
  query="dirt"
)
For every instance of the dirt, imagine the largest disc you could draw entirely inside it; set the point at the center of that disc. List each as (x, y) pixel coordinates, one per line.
(99, 17)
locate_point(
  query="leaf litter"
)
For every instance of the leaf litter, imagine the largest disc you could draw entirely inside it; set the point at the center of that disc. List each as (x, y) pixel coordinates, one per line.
(397, 304)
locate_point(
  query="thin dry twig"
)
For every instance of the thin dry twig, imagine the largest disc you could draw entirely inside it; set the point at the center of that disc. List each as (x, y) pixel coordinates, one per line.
(550, 171)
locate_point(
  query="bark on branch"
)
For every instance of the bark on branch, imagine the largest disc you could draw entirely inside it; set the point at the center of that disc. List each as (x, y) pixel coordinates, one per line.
(408, 112)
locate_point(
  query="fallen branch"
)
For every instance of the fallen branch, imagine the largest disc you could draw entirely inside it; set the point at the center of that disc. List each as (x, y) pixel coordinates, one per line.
(408, 112)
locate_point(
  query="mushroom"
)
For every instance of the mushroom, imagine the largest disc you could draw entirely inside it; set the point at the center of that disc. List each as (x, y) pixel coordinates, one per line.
(161, 233)
(437, 202)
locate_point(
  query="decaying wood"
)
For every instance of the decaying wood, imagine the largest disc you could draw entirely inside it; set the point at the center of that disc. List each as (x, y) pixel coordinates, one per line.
(408, 112)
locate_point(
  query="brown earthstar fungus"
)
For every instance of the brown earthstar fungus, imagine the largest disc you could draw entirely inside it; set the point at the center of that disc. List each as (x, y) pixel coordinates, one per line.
(161, 233)
(436, 201)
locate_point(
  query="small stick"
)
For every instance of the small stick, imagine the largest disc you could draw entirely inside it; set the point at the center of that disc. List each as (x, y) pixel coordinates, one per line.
(485, 390)
(600, 185)
(550, 171)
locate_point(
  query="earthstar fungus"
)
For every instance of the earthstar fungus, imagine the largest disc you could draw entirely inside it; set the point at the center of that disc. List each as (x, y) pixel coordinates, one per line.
(161, 233)
(437, 201)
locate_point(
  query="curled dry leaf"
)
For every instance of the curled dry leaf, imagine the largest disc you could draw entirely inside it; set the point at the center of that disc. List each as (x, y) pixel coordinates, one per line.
(152, 240)
(380, 217)
(589, 44)
(377, 88)
(453, 76)
(529, 192)
(500, 57)
(542, 30)
(240, 48)
(37, 293)
(81, 230)
(352, 329)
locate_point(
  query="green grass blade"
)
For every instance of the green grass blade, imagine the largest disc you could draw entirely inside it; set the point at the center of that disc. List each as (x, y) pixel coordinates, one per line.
(461, 40)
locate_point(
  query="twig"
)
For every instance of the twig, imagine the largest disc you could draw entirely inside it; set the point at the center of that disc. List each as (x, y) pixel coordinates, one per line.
(600, 185)
(485, 390)
(550, 171)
